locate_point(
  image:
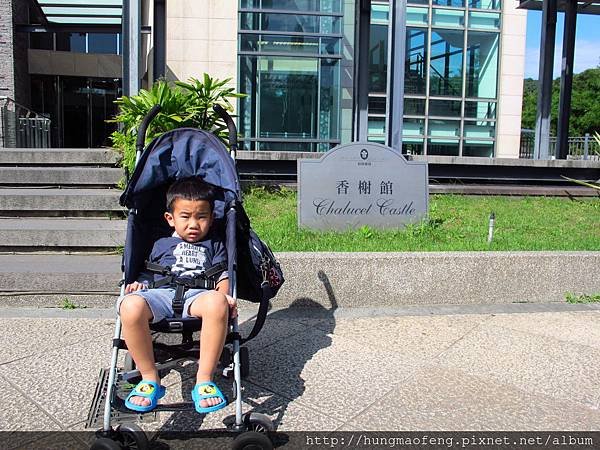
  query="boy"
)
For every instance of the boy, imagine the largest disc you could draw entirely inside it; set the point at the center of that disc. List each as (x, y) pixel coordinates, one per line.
(189, 250)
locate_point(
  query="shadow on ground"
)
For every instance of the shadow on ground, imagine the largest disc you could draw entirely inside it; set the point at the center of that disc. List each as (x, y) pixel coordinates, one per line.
(268, 355)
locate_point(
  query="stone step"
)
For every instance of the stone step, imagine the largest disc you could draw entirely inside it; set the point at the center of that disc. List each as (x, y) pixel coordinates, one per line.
(60, 176)
(48, 234)
(51, 274)
(59, 202)
(58, 156)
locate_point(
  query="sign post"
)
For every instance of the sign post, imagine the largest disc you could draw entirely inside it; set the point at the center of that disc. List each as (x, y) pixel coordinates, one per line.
(359, 184)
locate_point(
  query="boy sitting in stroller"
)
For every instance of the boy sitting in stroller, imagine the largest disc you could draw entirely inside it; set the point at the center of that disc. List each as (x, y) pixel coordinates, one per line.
(189, 251)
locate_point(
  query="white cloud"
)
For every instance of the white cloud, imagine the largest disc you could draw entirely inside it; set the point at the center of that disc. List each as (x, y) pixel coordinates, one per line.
(587, 55)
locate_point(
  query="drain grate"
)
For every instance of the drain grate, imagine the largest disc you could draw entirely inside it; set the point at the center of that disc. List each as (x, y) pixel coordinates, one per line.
(95, 417)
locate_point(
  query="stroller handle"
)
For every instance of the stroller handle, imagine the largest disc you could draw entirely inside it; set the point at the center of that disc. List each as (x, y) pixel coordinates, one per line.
(230, 126)
(141, 136)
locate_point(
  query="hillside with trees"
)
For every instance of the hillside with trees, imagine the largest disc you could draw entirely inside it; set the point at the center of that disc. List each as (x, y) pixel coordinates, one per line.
(585, 103)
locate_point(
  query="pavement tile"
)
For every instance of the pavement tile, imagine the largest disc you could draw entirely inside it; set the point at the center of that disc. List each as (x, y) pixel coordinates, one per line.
(533, 363)
(440, 399)
(21, 421)
(71, 372)
(286, 415)
(327, 373)
(579, 327)
(31, 336)
(419, 337)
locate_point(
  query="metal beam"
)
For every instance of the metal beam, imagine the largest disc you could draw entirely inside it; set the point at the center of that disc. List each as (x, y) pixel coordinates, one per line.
(544, 100)
(395, 74)
(361, 110)
(159, 40)
(132, 18)
(566, 80)
(75, 28)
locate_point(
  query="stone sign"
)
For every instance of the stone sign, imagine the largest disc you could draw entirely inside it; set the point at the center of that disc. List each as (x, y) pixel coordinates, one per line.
(361, 184)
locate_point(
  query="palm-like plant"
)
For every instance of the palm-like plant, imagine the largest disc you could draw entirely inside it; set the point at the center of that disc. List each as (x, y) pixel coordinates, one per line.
(182, 105)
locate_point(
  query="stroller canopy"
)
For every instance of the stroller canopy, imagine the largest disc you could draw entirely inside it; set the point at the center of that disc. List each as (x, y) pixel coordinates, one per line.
(177, 154)
(182, 153)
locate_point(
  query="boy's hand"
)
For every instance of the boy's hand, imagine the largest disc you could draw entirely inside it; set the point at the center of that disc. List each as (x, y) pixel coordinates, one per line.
(233, 308)
(135, 286)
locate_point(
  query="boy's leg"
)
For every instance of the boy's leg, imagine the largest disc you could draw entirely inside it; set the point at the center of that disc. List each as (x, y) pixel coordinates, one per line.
(135, 318)
(213, 309)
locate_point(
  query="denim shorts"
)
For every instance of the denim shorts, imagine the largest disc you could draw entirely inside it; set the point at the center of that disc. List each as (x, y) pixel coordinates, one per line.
(160, 301)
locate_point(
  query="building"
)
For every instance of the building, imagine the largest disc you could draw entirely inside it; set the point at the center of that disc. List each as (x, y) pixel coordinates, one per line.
(295, 60)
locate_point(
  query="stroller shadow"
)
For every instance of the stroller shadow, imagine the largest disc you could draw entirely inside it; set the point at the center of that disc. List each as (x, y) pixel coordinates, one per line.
(274, 383)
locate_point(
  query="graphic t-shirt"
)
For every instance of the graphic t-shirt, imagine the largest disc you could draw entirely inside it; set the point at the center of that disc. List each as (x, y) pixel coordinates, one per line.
(185, 258)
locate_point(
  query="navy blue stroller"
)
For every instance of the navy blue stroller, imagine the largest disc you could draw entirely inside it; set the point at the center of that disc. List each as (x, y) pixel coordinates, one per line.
(181, 153)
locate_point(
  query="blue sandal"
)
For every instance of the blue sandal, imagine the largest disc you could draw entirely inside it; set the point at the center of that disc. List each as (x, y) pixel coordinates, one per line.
(147, 389)
(203, 391)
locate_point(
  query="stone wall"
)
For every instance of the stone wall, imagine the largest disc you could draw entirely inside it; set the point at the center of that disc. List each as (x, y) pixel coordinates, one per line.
(7, 87)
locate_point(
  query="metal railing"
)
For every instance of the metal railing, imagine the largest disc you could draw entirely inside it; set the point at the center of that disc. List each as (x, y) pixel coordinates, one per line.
(580, 147)
(21, 127)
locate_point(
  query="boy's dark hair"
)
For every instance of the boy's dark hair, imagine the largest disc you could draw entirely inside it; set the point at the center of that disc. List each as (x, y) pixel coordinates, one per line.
(190, 189)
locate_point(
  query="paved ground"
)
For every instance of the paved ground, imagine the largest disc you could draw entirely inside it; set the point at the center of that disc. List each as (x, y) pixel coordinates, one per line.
(505, 367)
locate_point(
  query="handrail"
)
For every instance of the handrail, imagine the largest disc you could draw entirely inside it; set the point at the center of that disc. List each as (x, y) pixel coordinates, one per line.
(20, 127)
(29, 113)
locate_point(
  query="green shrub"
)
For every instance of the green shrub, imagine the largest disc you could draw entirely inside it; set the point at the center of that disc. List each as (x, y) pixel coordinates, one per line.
(182, 105)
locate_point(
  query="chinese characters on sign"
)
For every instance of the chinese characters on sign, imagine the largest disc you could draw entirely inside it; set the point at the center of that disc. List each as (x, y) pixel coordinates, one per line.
(361, 184)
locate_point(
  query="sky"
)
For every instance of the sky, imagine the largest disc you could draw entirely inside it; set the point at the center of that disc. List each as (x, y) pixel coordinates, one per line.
(587, 43)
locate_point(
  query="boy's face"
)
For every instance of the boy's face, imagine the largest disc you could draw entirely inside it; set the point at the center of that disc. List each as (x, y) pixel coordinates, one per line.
(191, 219)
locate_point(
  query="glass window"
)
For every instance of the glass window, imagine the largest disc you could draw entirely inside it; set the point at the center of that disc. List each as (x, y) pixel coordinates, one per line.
(480, 110)
(102, 43)
(417, 16)
(380, 14)
(71, 42)
(444, 128)
(289, 22)
(444, 108)
(376, 126)
(485, 4)
(294, 5)
(377, 105)
(378, 58)
(481, 149)
(448, 18)
(412, 148)
(444, 147)
(277, 43)
(414, 106)
(41, 41)
(453, 3)
(413, 127)
(479, 130)
(418, 2)
(484, 20)
(482, 64)
(329, 94)
(446, 63)
(415, 74)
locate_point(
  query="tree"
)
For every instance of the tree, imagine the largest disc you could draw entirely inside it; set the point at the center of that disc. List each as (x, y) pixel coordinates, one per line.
(585, 107)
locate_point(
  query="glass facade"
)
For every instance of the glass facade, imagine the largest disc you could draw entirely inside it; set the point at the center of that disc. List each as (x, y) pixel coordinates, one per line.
(451, 76)
(289, 67)
(107, 43)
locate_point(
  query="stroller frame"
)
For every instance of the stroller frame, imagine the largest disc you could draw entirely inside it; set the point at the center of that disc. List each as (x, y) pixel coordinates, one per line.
(252, 428)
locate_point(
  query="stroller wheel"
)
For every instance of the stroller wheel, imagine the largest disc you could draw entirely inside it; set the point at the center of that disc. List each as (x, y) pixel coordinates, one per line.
(132, 437)
(252, 440)
(105, 444)
(258, 422)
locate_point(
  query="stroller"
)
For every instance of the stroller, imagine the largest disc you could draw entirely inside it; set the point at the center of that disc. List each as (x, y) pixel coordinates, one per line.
(181, 153)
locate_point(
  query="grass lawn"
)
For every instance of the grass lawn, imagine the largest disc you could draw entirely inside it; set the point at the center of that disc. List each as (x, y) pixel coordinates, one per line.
(455, 223)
